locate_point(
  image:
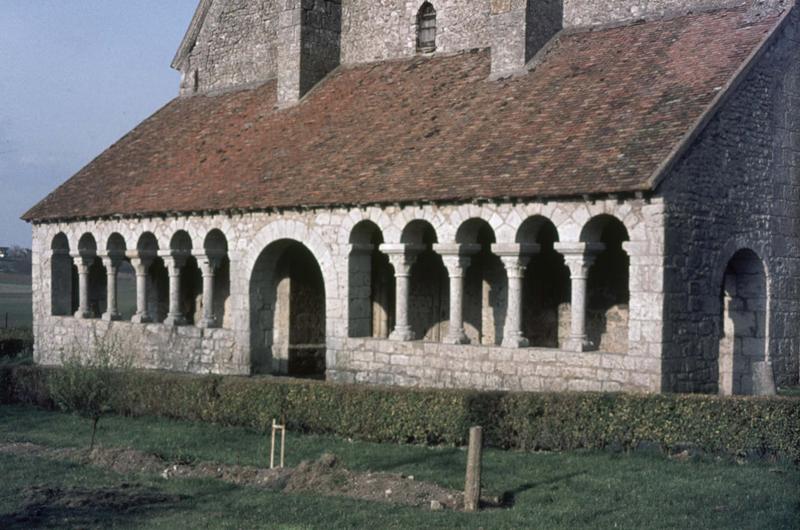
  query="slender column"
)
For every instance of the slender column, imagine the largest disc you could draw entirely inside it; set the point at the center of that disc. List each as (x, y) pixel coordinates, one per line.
(174, 265)
(111, 264)
(82, 263)
(401, 257)
(456, 261)
(456, 266)
(515, 258)
(579, 257)
(141, 266)
(209, 261)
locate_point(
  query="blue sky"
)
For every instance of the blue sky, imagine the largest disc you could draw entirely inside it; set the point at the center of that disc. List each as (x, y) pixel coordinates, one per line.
(76, 75)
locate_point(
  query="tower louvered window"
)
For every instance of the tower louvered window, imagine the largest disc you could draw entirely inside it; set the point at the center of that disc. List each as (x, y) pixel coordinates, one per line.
(426, 28)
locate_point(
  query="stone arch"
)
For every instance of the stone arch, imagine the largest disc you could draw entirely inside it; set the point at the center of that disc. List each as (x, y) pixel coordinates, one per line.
(608, 284)
(371, 286)
(96, 294)
(293, 230)
(545, 286)
(215, 246)
(485, 284)
(744, 303)
(287, 311)
(180, 242)
(156, 278)
(428, 296)
(63, 278)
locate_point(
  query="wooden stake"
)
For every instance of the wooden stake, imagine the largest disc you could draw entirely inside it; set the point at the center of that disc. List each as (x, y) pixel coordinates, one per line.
(283, 441)
(282, 428)
(472, 488)
(272, 448)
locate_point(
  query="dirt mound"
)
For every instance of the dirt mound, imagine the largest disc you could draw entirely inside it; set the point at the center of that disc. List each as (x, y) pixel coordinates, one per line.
(325, 476)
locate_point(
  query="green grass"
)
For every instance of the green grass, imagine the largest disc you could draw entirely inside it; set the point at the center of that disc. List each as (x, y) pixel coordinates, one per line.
(15, 300)
(573, 490)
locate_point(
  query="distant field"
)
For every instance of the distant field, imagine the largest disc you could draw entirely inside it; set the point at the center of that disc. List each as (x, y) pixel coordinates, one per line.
(15, 300)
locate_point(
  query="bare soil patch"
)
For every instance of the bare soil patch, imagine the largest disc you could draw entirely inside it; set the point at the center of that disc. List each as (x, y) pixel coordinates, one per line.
(325, 476)
(45, 507)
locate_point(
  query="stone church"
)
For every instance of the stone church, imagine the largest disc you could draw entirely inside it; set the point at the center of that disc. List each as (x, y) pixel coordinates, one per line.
(495, 194)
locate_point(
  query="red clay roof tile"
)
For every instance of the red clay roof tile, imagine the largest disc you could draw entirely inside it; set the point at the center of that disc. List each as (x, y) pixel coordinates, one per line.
(599, 115)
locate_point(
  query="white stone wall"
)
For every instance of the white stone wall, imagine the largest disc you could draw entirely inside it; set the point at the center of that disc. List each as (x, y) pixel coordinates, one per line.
(326, 233)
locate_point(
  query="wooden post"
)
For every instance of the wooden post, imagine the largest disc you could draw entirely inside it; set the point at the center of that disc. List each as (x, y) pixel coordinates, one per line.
(472, 489)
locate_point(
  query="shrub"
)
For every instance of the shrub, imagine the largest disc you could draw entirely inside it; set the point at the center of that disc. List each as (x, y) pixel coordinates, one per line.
(16, 345)
(86, 384)
(527, 421)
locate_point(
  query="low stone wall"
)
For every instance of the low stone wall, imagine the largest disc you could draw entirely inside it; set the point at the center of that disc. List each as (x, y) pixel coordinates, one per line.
(153, 346)
(429, 364)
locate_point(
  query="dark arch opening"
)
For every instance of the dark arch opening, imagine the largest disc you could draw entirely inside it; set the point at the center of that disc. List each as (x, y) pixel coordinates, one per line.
(216, 246)
(97, 281)
(546, 286)
(608, 293)
(744, 322)
(63, 278)
(157, 279)
(485, 285)
(371, 284)
(125, 279)
(428, 297)
(287, 312)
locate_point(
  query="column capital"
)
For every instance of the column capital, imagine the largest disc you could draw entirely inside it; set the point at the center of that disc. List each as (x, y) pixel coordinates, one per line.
(82, 260)
(579, 257)
(456, 249)
(516, 250)
(173, 260)
(579, 249)
(209, 258)
(145, 257)
(402, 256)
(111, 260)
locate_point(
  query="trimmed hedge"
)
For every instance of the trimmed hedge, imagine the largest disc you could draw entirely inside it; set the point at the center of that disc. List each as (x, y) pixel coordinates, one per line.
(552, 421)
(15, 341)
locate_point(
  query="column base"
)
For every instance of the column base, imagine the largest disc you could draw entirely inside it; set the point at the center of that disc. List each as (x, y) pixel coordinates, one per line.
(458, 338)
(110, 317)
(83, 314)
(140, 318)
(515, 341)
(208, 323)
(402, 334)
(579, 344)
(763, 379)
(175, 320)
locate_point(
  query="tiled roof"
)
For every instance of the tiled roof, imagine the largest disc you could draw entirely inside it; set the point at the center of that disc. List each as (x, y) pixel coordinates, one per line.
(599, 115)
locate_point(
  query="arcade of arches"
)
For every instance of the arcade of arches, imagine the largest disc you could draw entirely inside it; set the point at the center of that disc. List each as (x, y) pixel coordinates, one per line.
(543, 301)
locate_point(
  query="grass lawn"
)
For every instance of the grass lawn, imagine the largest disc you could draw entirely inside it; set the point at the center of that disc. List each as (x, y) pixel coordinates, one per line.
(15, 300)
(573, 490)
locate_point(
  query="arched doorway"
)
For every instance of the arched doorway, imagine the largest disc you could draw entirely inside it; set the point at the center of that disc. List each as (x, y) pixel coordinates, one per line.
(744, 322)
(287, 312)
